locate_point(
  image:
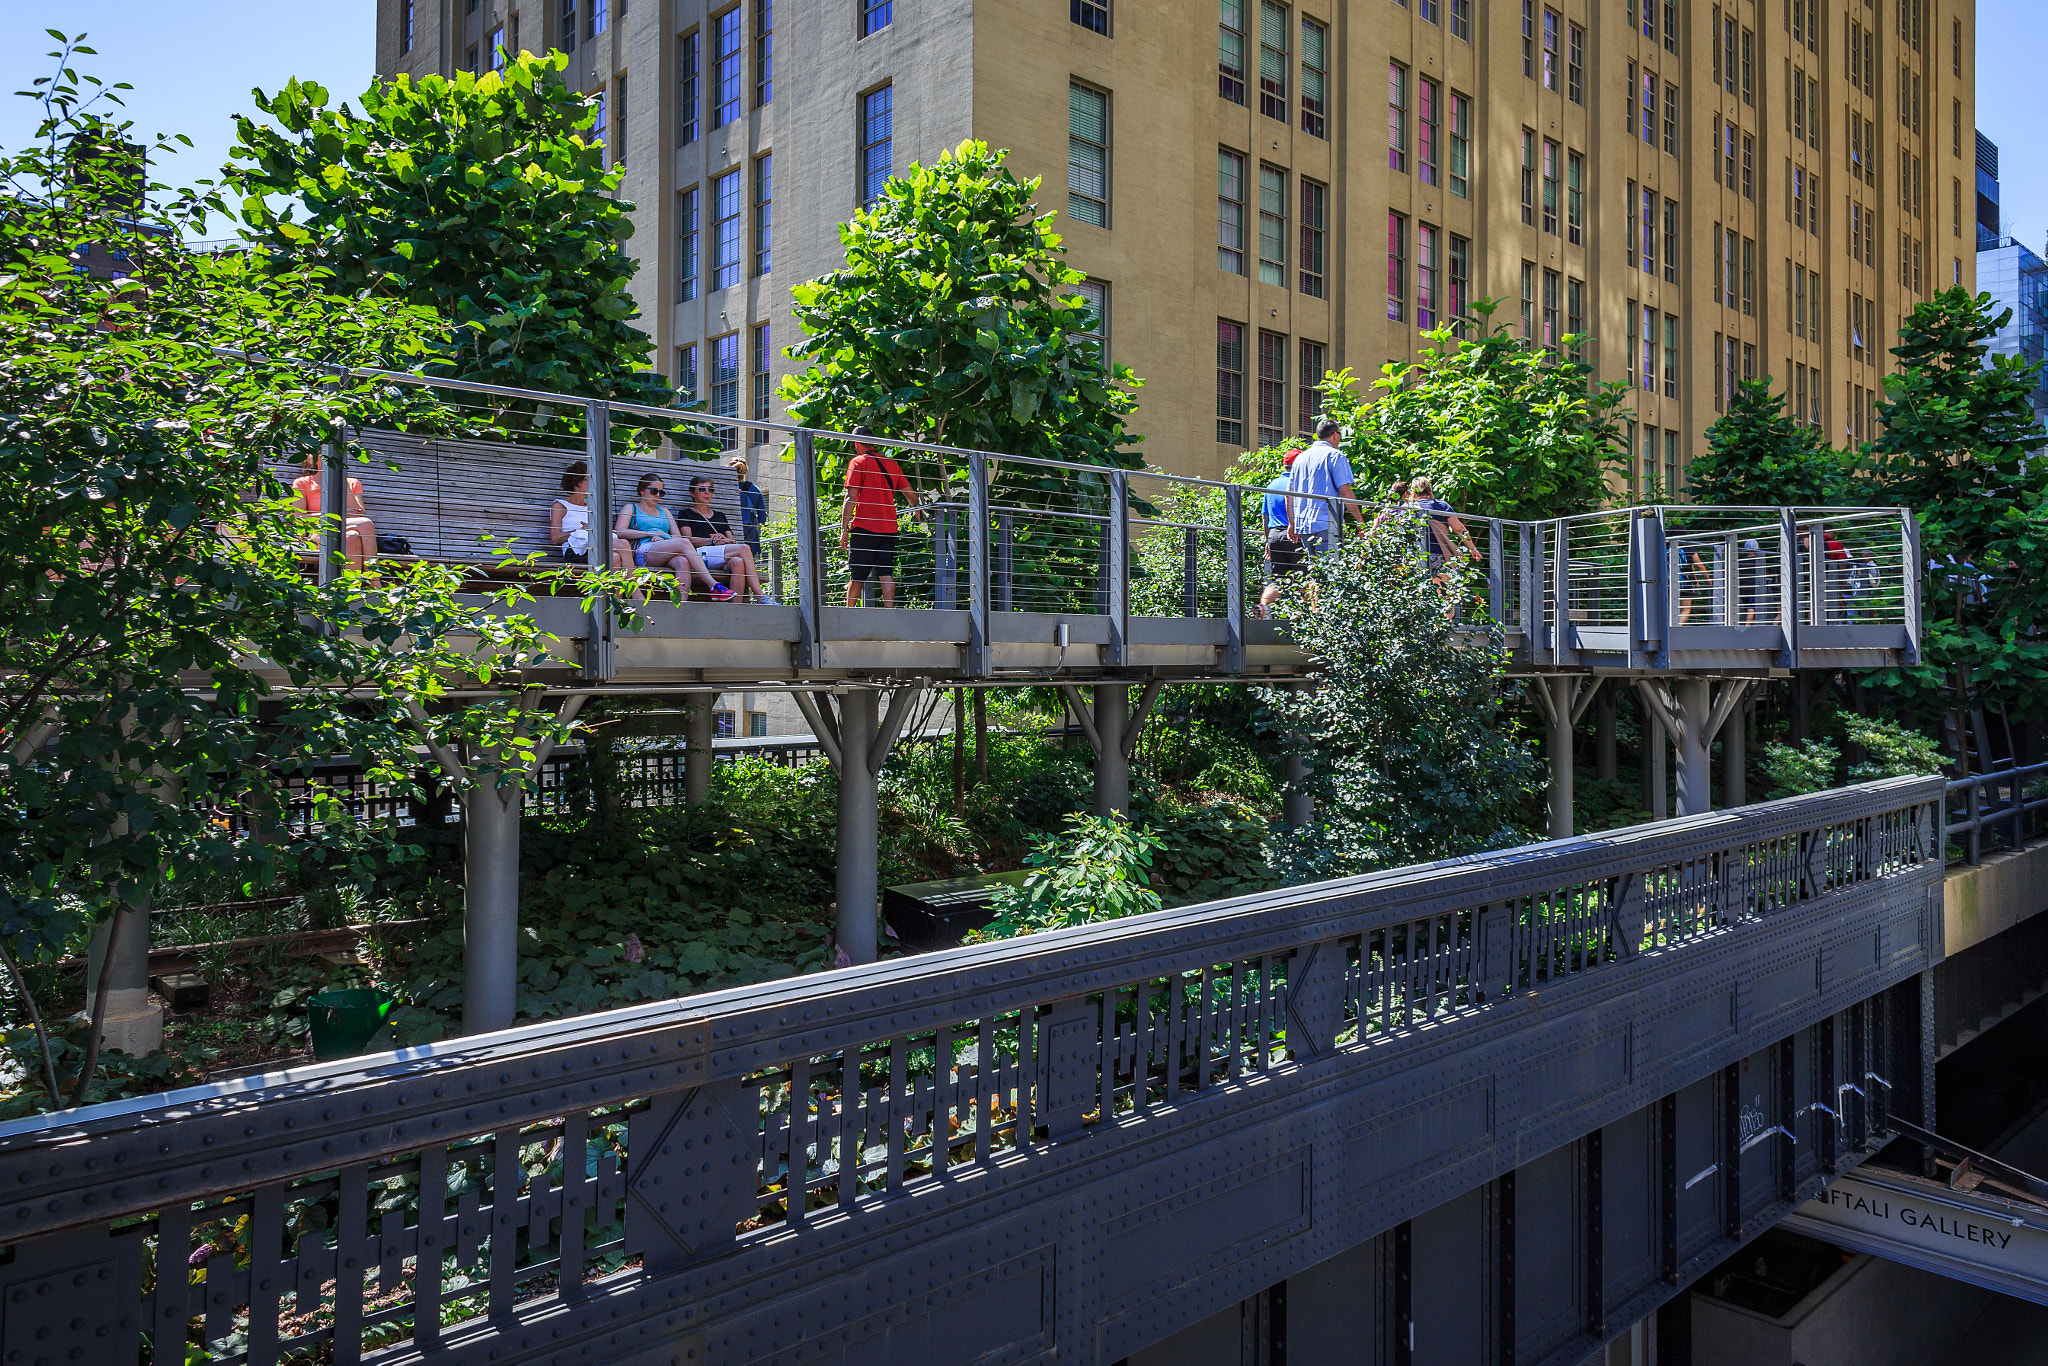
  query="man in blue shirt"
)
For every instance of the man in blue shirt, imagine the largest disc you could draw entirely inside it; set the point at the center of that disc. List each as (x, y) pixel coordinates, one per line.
(1320, 476)
(1283, 553)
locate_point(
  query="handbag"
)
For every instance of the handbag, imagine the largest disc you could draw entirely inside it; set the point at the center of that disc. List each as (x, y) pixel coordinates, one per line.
(393, 545)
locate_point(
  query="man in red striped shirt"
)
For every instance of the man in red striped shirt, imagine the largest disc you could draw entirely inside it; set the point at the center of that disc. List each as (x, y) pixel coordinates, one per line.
(867, 519)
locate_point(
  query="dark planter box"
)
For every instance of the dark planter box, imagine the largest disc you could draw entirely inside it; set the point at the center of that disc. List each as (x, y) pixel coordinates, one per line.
(938, 915)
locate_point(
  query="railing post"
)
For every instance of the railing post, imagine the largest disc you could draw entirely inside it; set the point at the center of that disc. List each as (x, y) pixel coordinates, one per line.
(946, 592)
(1817, 576)
(597, 461)
(1117, 581)
(1731, 582)
(1005, 581)
(1788, 586)
(1496, 572)
(333, 506)
(1233, 579)
(1974, 804)
(1530, 598)
(1909, 584)
(1561, 586)
(1190, 591)
(978, 652)
(809, 566)
(1657, 592)
(775, 570)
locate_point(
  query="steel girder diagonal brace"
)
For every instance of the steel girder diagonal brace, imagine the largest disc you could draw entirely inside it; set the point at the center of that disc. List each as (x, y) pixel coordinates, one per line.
(1563, 699)
(491, 804)
(1112, 728)
(1693, 710)
(857, 742)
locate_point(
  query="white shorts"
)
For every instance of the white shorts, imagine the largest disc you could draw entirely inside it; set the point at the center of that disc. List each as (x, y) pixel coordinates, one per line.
(712, 554)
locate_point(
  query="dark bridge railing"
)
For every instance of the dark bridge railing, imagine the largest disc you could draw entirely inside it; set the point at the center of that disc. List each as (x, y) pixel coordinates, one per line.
(852, 1163)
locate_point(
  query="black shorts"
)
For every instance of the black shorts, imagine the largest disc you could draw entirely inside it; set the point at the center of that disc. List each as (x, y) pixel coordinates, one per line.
(873, 553)
(1283, 555)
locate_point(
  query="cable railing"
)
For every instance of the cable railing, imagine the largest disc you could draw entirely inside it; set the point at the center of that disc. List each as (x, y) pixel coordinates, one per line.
(467, 472)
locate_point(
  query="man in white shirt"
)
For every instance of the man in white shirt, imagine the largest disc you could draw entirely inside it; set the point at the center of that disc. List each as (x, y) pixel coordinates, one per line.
(1318, 476)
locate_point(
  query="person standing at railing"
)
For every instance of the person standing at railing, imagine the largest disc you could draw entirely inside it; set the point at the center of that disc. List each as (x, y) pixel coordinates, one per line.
(1759, 584)
(867, 519)
(753, 506)
(1283, 552)
(1320, 476)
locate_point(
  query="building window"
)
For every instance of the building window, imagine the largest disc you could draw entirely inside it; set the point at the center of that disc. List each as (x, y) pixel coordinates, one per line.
(1272, 388)
(1528, 301)
(764, 357)
(1427, 11)
(494, 43)
(620, 142)
(1307, 379)
(601, 123)
(1748, 167)
(567, 27)
(1674, 479)
(686, 373)
(1425, 276)
(405, 26)
(1397, 267)
(1315, 71)
(1575, 197)
(1461, 144)
(1273, 60)
(686, 244)
(1551, 281)
(1649, 335)
(725, 68)
(764, 214)
(1550, 150)
(1458, 276)
(1087, 155)
(1315, 216)
(726, 205)
(764, 55)
(877, 132)
(600, 18)
(725, 385)
(1749, 276)
(1397, 117)
(1575, 64)
(875, 15)
(1092, 15)
(1671, 120)
(1461, 19)
(1670, 356)
(469, 59)
(1529, 38)
(1649, 105)
(1229, 383)
(1230, 51)
(1229, 211)
(1095, 295)
(1649, 233)
(1550, 54)
(1575, 316)
(1670, 242)
(1428, 110)
(1272, 226)
(1528, 177)
(686, 89)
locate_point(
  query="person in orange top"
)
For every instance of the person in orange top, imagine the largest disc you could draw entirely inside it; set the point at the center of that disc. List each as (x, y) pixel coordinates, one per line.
(867, 519)
(359, 536)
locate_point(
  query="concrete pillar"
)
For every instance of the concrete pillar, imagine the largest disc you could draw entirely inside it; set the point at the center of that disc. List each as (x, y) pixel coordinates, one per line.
(129, 1023)
(1112, 769)
(490, 905)
(1695, 779)
(1603, 733)
(1735, 756)
(859, 832)
(698, 730)
(1562, 689)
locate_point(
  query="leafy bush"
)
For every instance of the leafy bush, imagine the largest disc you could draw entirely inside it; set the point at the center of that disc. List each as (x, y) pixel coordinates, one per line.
(1891, 750)
(1098, 869)
(1796, 770)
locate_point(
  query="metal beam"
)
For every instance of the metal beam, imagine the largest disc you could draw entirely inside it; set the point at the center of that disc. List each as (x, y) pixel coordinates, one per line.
(810, 567)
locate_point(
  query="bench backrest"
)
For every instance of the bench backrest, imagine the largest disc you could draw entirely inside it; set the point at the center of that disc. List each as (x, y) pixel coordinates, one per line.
(445, 496)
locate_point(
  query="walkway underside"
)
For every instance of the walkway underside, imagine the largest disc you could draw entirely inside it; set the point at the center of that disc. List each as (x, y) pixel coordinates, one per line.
(1069, 1145)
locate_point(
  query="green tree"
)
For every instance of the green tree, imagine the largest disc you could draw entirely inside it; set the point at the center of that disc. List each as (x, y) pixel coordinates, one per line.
(170, 661)
(1957, 429)
(1758, 455)
(1503, 427)
(1412, 759)
(1098, 868)
(954, 322)
(485, 198)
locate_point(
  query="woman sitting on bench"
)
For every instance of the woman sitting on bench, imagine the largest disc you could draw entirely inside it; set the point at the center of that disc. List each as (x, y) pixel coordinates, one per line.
(359, 536)
(711, 533)
(569, 520)
(657, 541)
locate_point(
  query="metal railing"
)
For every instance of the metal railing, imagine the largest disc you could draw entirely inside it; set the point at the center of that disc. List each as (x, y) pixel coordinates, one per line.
(481, 1189)
(2005, 805)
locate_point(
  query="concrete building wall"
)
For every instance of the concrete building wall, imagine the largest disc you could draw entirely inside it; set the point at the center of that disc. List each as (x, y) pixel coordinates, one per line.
(1001, 70)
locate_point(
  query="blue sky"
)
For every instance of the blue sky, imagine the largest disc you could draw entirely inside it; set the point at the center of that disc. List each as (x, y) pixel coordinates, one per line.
(193, 64)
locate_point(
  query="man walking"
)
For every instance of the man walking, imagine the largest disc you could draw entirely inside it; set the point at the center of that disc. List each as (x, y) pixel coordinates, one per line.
(867, 519)
(1283, 553)
(1319, 476)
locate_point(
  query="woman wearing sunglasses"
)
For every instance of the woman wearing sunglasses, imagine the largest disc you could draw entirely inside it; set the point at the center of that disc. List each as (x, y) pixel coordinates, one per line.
(657, 541)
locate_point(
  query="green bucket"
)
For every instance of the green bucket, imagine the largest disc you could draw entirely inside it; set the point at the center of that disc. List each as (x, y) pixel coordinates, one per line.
(344, 1022)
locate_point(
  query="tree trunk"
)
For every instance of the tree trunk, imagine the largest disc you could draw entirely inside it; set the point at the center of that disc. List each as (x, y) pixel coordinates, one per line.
(959, 753)
(980, 736)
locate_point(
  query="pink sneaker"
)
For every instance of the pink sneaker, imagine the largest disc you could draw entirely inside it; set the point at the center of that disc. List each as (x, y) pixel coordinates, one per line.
(720, 593)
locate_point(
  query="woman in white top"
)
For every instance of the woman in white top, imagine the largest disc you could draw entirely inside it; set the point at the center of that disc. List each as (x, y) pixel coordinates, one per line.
(569, 520)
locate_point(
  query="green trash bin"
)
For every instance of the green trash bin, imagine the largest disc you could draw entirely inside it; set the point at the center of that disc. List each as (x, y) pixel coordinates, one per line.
(344, 1022)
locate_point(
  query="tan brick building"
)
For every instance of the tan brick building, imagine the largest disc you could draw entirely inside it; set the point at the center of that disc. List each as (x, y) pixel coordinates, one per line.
(1757, 186)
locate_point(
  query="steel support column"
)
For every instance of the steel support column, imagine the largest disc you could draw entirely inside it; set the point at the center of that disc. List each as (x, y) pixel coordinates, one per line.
(859, 833)
(1561, 690)
(129, 1022)
(1112, 764)
(1297, 802)
(698, 731)
(1735, 758)
(490, 904)
(1695, 783)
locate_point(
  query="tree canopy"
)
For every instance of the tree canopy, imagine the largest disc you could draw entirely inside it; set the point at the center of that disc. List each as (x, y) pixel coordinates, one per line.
(955, 321)
(1758, 455)
(485, 198)
(1503, 427)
